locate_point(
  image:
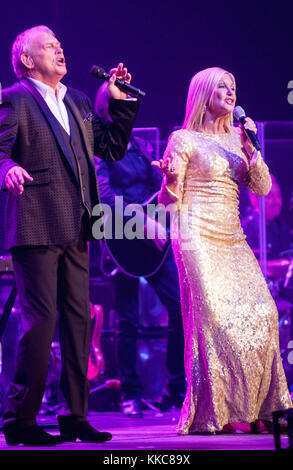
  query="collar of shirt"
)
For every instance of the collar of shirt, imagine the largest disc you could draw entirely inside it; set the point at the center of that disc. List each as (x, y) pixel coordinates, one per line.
(54, 100)
(46, 89)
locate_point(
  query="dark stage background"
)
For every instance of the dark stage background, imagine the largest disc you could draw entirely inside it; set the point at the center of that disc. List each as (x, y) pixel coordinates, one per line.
(164, 43)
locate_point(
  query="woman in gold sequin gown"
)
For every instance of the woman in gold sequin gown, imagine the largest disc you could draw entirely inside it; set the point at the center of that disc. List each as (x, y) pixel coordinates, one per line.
(232, 359)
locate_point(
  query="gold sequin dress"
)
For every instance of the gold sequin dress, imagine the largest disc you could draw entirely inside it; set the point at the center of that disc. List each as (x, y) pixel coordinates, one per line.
(232, 359)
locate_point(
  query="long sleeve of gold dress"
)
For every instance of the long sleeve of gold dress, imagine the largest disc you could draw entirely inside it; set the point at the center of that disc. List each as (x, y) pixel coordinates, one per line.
(232, 359)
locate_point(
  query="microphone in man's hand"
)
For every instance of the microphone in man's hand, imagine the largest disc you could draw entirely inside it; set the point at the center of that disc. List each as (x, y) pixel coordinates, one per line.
(239, 115)
(98, 72)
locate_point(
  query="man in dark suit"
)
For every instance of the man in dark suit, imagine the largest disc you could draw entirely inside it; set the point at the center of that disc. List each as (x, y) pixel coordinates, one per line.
(48, 139)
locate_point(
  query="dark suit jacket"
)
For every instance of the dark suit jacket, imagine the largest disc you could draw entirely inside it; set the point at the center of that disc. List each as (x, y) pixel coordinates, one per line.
(48, 211)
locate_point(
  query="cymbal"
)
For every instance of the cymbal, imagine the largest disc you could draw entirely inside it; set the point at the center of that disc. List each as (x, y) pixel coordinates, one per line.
(278, 262)
(288, 253)
(277, 267)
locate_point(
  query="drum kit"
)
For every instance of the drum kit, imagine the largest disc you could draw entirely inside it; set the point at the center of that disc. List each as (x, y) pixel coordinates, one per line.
(279, 276)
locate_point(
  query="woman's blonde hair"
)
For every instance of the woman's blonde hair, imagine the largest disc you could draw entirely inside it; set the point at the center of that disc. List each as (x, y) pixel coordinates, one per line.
(200, 94)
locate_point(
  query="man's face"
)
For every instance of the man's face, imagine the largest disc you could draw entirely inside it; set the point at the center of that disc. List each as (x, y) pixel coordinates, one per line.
(48, 62)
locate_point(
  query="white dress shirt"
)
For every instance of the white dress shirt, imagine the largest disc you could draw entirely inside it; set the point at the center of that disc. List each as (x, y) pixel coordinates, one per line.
(54, 101)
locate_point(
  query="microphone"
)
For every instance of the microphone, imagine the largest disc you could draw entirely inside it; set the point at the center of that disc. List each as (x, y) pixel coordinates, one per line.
(239, 115)
(98, 72)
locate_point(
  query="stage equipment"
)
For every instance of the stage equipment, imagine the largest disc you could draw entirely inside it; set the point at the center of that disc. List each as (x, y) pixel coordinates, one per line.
(239, 115)
(285, 415)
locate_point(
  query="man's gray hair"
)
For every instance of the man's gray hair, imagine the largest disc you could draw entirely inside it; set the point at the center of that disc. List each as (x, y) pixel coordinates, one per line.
(21, 45)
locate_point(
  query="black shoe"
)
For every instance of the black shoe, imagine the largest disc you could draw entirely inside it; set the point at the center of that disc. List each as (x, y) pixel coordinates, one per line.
(72, 428)
(132, 408)
(31, 436)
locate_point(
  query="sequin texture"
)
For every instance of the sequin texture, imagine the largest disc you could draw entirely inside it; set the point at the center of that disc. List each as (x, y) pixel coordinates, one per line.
(232, 359)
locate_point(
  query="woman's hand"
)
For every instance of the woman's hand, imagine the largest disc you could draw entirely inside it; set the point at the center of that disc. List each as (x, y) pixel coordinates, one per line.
(168, 170)
(121, 73)
(247, 145)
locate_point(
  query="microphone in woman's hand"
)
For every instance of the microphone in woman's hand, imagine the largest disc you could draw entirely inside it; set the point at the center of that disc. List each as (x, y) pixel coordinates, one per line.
(239, 115)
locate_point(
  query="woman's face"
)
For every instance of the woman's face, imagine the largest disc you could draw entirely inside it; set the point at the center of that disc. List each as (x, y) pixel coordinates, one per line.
(224, 97)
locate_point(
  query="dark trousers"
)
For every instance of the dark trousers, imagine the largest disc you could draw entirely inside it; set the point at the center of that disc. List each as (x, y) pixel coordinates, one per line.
(166, 284)
(48, 279)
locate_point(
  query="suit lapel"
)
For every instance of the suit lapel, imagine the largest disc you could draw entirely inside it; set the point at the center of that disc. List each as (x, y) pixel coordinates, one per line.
(76, 113)
(55, 126)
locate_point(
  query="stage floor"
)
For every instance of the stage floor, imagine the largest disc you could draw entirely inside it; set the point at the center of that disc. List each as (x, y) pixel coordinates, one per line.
(154, 434)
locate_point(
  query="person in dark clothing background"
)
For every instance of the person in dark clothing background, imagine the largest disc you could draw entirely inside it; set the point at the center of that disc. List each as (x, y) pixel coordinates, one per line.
(136, 180)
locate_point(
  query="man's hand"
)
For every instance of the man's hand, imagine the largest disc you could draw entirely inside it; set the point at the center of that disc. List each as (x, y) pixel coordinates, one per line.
(121, 73)
(15, 179)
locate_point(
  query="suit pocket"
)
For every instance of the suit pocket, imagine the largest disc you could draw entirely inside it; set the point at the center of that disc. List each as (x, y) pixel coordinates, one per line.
(40, 176)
